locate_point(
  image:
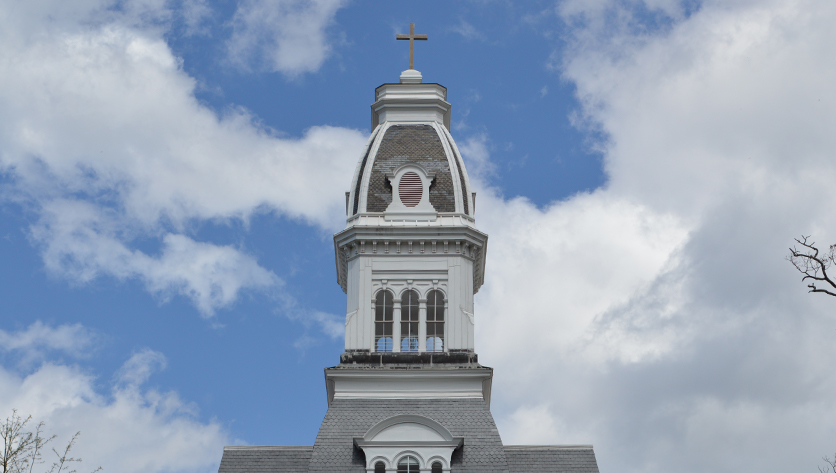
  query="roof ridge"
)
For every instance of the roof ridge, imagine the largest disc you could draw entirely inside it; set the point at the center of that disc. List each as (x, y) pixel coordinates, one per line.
(545, 447)
(268, 447)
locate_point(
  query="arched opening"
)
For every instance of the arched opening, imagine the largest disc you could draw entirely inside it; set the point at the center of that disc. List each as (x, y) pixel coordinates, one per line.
(435, 321)
(380, 467)
(408, 464)
(383, 310)
(436, 468)
(409, 321)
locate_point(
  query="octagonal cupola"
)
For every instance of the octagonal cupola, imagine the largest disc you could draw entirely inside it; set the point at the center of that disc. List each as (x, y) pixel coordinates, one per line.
(410, 258)
(411, 169)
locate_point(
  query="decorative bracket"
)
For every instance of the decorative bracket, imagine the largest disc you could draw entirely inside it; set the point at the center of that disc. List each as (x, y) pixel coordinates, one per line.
(349, 315)
(469, 316)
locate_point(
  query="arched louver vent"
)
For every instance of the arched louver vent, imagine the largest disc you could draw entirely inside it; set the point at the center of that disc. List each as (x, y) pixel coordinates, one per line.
(410, 189)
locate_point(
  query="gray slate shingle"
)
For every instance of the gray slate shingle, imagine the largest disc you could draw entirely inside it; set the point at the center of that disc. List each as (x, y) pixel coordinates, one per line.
(482, 451)
(266, 458)
(334, 450)
(417, 144)
(551, 459)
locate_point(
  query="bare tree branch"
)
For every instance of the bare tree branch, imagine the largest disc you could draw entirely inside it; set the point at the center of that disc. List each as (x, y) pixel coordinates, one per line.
(38, 443)
(808, 261)
(21, 449)
(17, 443)
(831, 465)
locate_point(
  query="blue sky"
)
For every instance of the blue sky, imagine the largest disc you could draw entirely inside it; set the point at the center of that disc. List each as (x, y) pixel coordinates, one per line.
(171, 173)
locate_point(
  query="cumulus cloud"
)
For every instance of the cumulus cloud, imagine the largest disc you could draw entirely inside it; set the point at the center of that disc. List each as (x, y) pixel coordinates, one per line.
(287, 36)
(656, 317)
(102, 137)
(582, 258)
(39, 340)
(163, 435)
(130, 429)
(140, 367)
(80, 241)
(477, 150)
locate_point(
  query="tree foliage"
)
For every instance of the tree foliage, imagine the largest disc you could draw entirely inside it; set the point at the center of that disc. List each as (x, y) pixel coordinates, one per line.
(813, 264)
(22, 449)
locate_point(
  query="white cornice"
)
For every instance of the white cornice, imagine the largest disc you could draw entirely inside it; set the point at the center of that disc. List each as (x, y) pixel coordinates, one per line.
(411, 103)
(429, 383)
(359, 240)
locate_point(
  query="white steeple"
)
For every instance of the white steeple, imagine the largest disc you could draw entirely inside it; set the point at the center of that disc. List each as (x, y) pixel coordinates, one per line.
(410, 258)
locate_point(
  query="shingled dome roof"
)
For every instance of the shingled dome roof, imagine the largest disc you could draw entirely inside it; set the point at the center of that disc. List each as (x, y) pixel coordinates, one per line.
(394, 144)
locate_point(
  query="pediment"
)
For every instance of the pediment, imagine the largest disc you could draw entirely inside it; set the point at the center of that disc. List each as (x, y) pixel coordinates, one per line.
(416, 436)
(408, 428)
(407, 432)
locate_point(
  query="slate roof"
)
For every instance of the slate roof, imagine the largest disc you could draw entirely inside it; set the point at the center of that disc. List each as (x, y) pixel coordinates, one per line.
(551, 459)
(338, 456)
(266, 458)
(410, 143)
(334, 449)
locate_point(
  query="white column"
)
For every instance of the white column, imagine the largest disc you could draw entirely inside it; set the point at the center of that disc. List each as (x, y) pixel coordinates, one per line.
(422, 325)
(374, 325)
(446, 324)
(396, 327)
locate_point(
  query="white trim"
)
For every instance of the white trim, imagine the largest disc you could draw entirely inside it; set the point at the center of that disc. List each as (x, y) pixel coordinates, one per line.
(408, 418)
(453, 165)
(407, 395)
(367, 172)
(394, 438)
(430, 383)
(411, 103)
(471, 205)
(366, 153)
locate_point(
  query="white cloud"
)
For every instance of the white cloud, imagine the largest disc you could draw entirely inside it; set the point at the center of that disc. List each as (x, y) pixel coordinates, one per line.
(140, 366)
(332, 325)
(477, 150)
(574, 261)
(656, 317)
(133, 429)
(39, 340)
(536, 425)
(81, 242)
(468, 31)
(286, 36)
(102, 136)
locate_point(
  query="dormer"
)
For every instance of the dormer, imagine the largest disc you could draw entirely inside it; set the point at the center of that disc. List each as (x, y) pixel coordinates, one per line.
(410, 193)
(415, 442)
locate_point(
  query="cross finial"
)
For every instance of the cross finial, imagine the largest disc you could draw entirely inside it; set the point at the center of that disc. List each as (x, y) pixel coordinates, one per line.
(412, 37)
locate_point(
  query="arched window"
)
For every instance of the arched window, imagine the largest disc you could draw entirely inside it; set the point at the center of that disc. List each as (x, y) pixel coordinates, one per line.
(408, 464)
(409, 322)
(383, 321)
(379, 467)
(436, 468)
(435, 321)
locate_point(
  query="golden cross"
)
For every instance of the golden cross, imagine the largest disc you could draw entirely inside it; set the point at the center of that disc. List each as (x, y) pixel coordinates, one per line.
(411, 37)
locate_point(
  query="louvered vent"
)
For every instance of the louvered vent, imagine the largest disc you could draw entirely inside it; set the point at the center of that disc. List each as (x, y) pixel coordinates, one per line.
(410, 189)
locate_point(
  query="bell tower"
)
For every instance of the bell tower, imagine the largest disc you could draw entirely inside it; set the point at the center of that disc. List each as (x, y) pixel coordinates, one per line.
(410, 258)
(409, 394)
